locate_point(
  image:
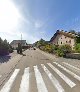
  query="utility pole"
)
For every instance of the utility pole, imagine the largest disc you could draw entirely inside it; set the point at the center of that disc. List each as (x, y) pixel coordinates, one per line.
(21, 44)
(21, 39)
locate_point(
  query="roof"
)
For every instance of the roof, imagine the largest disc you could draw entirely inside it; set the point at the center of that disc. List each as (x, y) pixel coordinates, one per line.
(18, 41)
(67, 34)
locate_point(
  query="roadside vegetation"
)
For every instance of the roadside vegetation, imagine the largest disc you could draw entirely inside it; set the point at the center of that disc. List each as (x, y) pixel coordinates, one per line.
(59, 50)
(54, 49)
(5, 47)
(77, 45)
(77, 48)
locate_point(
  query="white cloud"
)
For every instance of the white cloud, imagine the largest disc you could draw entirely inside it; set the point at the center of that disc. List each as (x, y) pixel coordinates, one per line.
(9, 16)
(13, 24)
(10, 19)
(38, 24)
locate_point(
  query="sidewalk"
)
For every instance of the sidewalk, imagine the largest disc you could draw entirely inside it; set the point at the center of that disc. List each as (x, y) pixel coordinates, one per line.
(7, 67)
(55, 58)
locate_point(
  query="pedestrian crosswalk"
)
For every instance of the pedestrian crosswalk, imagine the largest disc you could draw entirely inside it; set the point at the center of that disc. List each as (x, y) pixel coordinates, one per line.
(24, 85)
(7, 86)
(53, 79)
(68, 71)
(71, 66)
(40, 83)
(65, 78)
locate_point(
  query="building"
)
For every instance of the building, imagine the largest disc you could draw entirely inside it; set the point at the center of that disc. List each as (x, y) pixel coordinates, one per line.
(62, 38)
(14, 43)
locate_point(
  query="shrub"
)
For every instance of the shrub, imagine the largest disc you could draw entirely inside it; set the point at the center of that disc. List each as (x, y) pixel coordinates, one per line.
(63, 49)
(59, 53)
(4, 47)
(77, 47)
(10, 49)
(49, 48)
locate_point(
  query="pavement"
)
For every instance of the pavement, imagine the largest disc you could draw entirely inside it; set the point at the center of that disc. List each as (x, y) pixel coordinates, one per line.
(6, 58)
(40, 72)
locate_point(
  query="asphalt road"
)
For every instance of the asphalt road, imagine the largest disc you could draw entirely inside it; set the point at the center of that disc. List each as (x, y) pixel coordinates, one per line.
(36, 72)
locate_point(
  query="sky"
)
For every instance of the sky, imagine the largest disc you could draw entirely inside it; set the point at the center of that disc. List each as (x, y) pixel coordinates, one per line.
(36, 19)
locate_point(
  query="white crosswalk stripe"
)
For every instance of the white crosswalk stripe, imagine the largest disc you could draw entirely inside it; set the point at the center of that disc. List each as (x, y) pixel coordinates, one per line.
(65, 78)
(24, 86)
(53, 79)
(68, 71)
(40, 83)
(71, 66)
(0, 76)
(8, 85)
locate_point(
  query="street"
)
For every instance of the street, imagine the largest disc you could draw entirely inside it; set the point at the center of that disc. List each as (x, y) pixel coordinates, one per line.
(36, 72)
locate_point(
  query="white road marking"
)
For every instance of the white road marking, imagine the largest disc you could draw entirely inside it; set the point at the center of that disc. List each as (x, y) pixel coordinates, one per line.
(71, 66)
(53, 79)
(65, 78)
(0, 76)
(68, 71)
(40, 83)
(8, 85)
(24, 86)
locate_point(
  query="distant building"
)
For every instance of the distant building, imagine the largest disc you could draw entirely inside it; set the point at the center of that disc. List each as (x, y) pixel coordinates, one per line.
(14, 43)
(62, 38)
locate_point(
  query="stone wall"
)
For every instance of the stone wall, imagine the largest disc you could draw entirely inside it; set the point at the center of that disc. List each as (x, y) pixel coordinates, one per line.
(73, 55)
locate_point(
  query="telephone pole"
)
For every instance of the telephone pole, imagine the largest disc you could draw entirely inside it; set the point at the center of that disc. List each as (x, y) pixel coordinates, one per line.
(21, 39)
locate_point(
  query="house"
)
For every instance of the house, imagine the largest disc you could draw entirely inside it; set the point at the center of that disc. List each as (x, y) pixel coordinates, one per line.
(14, 43)
(62, 38)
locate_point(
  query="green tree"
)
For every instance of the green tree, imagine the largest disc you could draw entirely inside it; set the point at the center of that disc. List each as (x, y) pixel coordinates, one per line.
(4, 47)
(77, 47)
(63, 49)
(72, 31)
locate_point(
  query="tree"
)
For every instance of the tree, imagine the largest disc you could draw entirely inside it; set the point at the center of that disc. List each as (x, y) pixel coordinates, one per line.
(78, 33)
(77, 47)
(78, 37)
(72, 31)
(41, 43)
(4, 47)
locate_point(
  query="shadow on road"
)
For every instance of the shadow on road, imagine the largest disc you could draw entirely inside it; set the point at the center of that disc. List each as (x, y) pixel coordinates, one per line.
(4, 59)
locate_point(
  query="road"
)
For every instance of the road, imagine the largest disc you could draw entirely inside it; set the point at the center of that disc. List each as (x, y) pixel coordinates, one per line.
(36, 72)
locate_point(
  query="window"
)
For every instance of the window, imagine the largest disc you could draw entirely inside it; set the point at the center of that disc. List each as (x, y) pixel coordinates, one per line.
(65, 37)
(61, 42)
(70, 41)
(66, 41)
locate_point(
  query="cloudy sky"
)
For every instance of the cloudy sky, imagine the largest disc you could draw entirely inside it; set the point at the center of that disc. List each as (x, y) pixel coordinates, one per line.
(36, 19)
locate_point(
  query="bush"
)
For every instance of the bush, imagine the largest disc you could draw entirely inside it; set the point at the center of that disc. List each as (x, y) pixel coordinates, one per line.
(66, 48)
(10, 49)
(47, 47)
(77, 47)
(59, 53)
(63, 49)
(4, 47)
